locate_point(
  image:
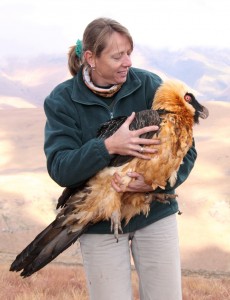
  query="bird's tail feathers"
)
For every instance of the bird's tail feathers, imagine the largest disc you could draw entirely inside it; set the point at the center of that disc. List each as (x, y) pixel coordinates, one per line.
(47, 245)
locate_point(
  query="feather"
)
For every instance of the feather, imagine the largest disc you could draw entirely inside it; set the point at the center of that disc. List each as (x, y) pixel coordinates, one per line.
(46, 246)
(142, 119)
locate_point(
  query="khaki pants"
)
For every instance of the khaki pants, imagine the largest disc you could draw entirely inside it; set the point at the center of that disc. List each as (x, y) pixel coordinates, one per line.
(155, 250)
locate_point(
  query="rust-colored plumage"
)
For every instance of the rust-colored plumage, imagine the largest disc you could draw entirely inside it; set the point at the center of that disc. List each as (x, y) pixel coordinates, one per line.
(176, 111)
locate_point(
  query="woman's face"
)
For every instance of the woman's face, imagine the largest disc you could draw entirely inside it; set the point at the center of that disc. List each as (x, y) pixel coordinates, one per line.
(113, 65)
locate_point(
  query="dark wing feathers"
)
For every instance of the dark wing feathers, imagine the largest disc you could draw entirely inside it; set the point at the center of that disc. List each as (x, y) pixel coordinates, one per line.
(32, 250)
(50, 251)
(108, 128)
(142, 119)
(66, 194)
(47, 245)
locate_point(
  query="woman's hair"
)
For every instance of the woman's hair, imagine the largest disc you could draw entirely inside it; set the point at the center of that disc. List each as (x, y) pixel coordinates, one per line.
(95, 38)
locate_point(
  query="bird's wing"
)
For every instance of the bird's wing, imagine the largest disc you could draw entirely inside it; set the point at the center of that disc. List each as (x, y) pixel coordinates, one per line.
(110, 127)
(66, 194)
(142, 119)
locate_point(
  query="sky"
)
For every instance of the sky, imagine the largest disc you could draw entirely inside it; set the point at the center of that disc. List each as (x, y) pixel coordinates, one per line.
(31, 28)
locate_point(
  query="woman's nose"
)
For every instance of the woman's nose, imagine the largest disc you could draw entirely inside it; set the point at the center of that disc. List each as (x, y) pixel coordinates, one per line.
(127, 62)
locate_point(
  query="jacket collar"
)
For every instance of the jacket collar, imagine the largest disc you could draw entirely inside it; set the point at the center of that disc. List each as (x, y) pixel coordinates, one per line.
(82, 94)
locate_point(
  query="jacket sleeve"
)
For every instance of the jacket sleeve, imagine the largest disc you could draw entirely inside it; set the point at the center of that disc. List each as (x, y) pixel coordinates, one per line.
(66, 154)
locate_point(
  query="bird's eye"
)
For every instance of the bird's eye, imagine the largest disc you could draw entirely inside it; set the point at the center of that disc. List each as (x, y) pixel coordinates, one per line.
(187, 98)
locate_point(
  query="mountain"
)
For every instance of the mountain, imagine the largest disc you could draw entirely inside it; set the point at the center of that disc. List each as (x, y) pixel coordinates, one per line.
(26, 82)
(206, 70)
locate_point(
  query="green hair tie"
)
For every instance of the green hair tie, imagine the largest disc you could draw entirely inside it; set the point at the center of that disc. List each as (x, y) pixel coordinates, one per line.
(78, 49)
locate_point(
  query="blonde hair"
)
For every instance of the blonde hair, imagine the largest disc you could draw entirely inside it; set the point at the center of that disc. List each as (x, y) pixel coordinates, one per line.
(95, 39)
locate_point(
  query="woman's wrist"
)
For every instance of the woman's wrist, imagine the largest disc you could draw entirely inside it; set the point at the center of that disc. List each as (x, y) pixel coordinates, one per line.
(109, 146)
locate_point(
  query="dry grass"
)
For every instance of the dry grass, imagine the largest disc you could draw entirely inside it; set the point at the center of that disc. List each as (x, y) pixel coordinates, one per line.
(51, 283)
(66, 283)
(199, 288)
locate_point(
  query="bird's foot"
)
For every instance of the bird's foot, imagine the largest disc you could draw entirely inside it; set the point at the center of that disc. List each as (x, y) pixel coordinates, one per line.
(116, 224)
(163, 198)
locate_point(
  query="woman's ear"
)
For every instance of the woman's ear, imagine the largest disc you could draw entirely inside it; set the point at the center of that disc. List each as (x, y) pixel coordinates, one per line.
(89, 58)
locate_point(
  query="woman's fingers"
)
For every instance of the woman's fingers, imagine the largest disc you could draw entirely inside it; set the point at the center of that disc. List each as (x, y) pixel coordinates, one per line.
(146, 129)
(130, 119)
(140, 131)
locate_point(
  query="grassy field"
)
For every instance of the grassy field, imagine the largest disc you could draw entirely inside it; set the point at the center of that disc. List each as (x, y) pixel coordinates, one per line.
(68, 283)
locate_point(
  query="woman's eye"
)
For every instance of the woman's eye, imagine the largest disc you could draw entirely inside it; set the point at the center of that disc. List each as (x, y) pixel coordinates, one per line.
(187, 98)
(117, 57)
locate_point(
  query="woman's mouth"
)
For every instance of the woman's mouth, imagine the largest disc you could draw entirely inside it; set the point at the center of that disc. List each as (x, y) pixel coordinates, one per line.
(123, 73)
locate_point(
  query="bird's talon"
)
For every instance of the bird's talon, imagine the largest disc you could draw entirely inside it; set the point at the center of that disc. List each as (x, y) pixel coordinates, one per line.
(116, 224)
(162, 198)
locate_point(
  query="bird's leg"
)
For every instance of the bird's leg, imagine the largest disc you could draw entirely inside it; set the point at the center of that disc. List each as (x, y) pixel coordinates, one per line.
(163, 198)
(116, 224)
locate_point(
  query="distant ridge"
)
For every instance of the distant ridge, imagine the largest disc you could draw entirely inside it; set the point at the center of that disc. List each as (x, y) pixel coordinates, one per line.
(206, 70)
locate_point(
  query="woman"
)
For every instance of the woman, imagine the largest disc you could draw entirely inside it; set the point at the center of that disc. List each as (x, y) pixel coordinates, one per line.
(104, 85)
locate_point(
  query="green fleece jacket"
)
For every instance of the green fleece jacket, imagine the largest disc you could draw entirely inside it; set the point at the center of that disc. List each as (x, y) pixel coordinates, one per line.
(74, 154)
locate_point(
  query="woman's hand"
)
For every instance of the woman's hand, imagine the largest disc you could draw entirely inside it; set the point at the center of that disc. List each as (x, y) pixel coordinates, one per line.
(136, 185)
(127, 142)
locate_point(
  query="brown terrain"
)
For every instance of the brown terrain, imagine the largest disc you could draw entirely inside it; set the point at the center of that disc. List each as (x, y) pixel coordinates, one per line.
(28, 195)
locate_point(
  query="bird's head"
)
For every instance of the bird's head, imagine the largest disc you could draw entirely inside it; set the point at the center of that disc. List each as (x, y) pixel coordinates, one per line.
(200, 110)
(175, 96)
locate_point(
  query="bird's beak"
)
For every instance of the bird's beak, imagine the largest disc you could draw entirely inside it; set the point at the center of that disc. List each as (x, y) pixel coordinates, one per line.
(204, 113)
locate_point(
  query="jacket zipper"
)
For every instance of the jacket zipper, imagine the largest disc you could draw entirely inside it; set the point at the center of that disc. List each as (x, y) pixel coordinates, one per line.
(111, 112)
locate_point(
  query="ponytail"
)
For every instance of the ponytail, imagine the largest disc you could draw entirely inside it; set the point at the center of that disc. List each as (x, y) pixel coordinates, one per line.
(74, 62)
